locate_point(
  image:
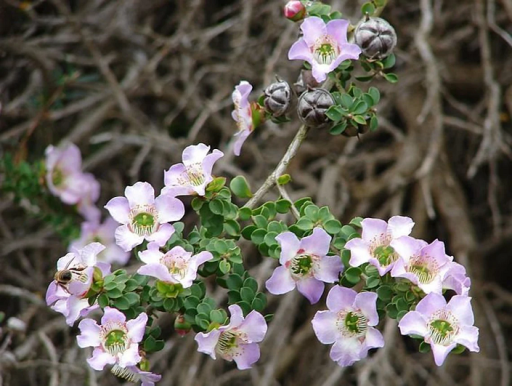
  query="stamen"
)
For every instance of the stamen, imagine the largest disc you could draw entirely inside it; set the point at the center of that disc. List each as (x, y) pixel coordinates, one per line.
(352, 324)
(443, 326)
(176, 264)
(301, 265)
(113, 336)
(325, 51)
(227, 341)
(144, 220)
(195, 174)
(424, 267)
(380, 249)
(125, 373)
(57, 177)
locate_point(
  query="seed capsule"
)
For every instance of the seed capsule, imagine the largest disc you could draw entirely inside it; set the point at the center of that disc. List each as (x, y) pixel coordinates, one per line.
(277, 98)
(376, 37)
(312, 107)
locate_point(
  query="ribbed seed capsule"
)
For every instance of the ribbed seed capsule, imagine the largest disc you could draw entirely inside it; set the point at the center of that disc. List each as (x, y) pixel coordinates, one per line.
(312, 107)
(376, 37)
(277, 98)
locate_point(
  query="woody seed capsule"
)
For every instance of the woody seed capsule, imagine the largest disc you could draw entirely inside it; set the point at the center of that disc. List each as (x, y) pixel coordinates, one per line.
(277, 98)
(376, 37)
(312, 107)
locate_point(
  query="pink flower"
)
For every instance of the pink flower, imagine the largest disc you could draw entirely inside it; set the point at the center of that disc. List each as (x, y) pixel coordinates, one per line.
(305, 265)
(238, 340)
(443, 325)
(242, 114)
(294, 10)
(115, 341)
(74, 277)
(454, 278)
(374, 245)
(324, 46)
(144, 217)
(423, 264)
(349, 324)
(194, 174)
(103, 233)
(175, 266)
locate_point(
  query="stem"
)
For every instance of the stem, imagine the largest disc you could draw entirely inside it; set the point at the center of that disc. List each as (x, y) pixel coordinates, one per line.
(379, 10)
(285, 161)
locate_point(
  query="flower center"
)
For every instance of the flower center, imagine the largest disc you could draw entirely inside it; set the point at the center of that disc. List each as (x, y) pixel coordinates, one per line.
(228, 341)
(114, 338)
(195, 174)
(144, 220)
(424, 267)
(380, 249)
(57, 177)
(177, 265)
(443, 326)
(325, 51)
(352, 324)
(301, 265)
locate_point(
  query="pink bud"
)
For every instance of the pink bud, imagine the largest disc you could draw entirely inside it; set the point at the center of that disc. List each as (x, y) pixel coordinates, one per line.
(294, 10)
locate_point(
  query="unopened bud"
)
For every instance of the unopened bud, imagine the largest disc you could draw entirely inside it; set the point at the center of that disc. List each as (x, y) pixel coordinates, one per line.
(294, 11)
(312, 107)
(305, 81)
(277, 98)
(181, 326)
(376, 37)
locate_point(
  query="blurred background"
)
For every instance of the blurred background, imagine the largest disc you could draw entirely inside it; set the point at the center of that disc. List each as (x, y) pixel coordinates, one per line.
(133, 82)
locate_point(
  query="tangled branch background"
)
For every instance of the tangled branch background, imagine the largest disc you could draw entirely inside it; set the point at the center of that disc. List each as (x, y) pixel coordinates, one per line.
(134, 82)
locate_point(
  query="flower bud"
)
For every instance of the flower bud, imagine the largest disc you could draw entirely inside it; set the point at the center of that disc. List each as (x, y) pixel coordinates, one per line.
(181, 326)
(312, 107)
(294, 11)
(305, 81)
(376, 37)
(277, 98)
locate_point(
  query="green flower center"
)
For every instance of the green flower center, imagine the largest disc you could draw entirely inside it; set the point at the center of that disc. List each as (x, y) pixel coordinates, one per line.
(385, 255)
(443, 326)
(301, 265)
(352, 324)
(325, 51)
(57, 177)
(116, 342)
(228, 340)
(176, 264)
(195, 174)
(424, 267)
(144, 220)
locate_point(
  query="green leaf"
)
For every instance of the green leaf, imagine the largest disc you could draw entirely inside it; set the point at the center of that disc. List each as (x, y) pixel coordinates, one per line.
(372, 282)
(258, 305)
(353, 275)
(356, 221)
(217, 316)
(346, 101)
(103, 300)
(392, 311)
(283, 206)
(389, 61)
(335, 15)
(245, 306)
(234, 281)
(240, 187)
(110, 286)
(251, 283)
(365, 78)
(247, 294)
(122, 304)
(270, 238)
(368, 9)
(169, 304)
(197, 203)
(245, 213)
(332, 227)
(248, 231)
(224, 266)
(260, 221)
(459, 349)
(132, 298)
(424, 347)
(216, 184)
(233, 297)
(390, 77)
(385, 293)
(359, 108)
(305, 224)
(204, 308)
(216, 206)
(379, 3)
(284, 179)
(375, 94)
(338, 129)
(334, 113)
(114, 293)
(359, 119)
(232, 228)
(258, 236)
(191, 302)
(374, 123)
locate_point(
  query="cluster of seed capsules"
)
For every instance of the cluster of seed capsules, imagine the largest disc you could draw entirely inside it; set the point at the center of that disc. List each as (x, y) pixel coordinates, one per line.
(376, 38)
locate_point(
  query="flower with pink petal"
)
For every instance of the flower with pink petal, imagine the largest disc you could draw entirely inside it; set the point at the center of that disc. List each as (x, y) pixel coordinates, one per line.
(324, 46)
(134, 374)
(443, 325)
(238, 340)
(175, 266)
(65, 179)
(104, 234)
(454, 278)
(194, 174)
(349, 324)
(423, 264)
(242, 114)
(115, 340)
(74, 277)
(374, 245)
(305, 265)
(144, 217)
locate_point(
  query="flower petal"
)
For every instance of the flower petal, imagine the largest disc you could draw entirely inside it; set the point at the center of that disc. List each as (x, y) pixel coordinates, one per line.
(112, 315)
(324, 325)
(359, 252)
(119, 209)
(311, 288)
(290, 244)
(328, 269)
(100, 359)
(158, 271)
(468, 336)
(195, 154)
(441, 352)
(169, 208)
(164, 233)
(317, 243)
(141, 193)
(373, 228)
(130, 357)
(300, 51)
(152, 255)
(400, 226)
(240, 136)
(407, 247)
(413, 323)
(248, 354)
(176, 175)
(346, 351)
(136, 327)
(340, 298)
(237, 316)
(280, 282)
(210, 160)
(367, 303)
(338, 30)
(89, 334)
(254, 326)
(374, 339)
(126, 239)
(207, 342)
(313, 28)
(430, 304)
(461, 306)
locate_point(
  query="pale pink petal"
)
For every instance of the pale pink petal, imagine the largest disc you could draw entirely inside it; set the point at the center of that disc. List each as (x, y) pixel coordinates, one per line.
(240, 136)
(169, 208)
(100, 359)
(317, 243)
(89, 334)
(136, 327)
(130, 357)
(325, 326)
(254, 326)
(313, 28)
(373, 228)
(141, 193)
(359, 252)
(461, 306)
(164, 233)
(290, 245)
(158, 271)
(126, 239)
(311, 288)
(195, 153)
(176, 175)
(237, 316)
(441, 352)
(119, 209)
(367, 303)
(112, 315)
(430, 304)
(373, 339)
(152, 255)
(400, 226)
(210, 160)
(328, 269)
(468, 336)
(207, 342)
(280, 282)
(346, 351)
(413, 323)
(338, 30)
(300, 51)
(248, 355)
(340, 298)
